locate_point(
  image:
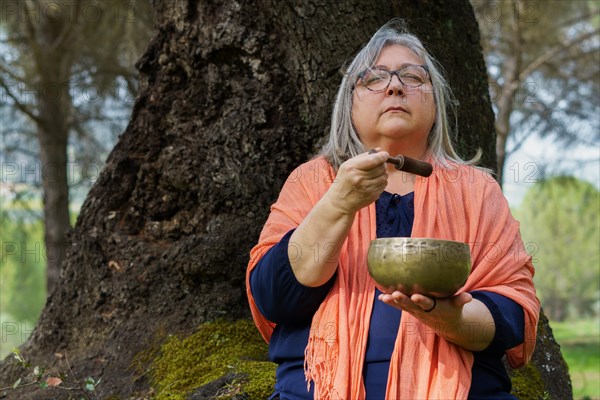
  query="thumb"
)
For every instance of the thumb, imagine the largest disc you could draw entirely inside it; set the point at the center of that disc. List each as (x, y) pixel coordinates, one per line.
(461, 299)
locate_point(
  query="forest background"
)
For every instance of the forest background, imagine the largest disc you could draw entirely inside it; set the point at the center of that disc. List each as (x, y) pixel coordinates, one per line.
(543, 64)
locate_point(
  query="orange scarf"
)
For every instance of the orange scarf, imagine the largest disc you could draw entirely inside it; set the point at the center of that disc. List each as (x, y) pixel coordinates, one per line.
(462, 204)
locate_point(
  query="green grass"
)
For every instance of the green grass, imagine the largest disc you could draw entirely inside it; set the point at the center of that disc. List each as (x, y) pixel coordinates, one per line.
(580, 345)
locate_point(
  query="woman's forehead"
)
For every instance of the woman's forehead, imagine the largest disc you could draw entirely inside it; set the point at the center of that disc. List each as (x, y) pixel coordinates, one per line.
(396, 55)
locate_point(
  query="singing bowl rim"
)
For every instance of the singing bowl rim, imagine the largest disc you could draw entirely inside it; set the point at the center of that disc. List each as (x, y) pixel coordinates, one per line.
(410, 239)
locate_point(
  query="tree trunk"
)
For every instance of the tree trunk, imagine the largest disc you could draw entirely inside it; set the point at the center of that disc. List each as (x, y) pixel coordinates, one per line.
(48, 35)
(500, 155)
(233, 97)
(510, 86)
(53, 137)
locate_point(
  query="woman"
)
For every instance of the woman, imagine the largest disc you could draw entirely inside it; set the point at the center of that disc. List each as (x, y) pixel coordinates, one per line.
(333, 334)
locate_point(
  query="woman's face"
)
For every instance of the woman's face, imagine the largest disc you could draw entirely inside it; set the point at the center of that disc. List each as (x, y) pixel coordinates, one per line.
(398, 118)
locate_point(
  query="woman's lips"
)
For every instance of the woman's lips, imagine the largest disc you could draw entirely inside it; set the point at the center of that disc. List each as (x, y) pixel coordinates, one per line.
(395, 109)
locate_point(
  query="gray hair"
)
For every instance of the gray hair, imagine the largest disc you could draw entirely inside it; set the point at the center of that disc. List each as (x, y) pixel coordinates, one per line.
(344, 142)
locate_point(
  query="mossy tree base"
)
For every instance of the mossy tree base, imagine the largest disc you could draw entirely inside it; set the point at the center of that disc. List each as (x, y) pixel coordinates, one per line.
(546, 376)
(224, 360)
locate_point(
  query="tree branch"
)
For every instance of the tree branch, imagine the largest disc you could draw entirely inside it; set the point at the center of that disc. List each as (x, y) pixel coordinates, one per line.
(33, 45)
(551, 53)
(66, 32)
(14, 39)
(10, 74)
(20, 106)
(588, 15)
(544, 112)
(27, 152)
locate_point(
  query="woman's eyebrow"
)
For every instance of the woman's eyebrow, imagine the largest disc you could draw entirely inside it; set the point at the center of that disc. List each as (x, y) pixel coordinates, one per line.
(385, 67)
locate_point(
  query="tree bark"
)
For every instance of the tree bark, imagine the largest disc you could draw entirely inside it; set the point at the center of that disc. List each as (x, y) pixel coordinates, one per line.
(233, 97)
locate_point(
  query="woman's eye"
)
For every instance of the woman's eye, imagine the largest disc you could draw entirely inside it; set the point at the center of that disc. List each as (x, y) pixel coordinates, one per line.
(373, 77)
(412, 78)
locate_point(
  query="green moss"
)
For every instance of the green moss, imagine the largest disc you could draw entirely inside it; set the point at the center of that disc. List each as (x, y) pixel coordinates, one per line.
(527, 383)
(216, 349)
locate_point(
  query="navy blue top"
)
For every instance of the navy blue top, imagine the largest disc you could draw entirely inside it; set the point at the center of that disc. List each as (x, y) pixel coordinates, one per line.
(285, 301)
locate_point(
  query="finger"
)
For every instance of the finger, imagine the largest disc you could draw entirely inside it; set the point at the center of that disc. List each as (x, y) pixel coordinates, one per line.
(368, 161)
(400, 298)
(376, 182)
(359, 176)
(394, 298)
(424, 302)
(461, 299)
(387, 299)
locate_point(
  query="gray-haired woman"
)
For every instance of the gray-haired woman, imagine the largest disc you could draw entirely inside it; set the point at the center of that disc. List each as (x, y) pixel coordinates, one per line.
(332, 332)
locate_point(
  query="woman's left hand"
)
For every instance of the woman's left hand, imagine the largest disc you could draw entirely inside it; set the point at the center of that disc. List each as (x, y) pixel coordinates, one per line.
(428, 309)
(460, 319)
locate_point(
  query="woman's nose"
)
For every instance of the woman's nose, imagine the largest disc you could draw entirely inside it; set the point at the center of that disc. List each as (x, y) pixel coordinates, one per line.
(395, 86)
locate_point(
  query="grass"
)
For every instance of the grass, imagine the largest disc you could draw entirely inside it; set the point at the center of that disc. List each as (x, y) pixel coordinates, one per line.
(580, 345)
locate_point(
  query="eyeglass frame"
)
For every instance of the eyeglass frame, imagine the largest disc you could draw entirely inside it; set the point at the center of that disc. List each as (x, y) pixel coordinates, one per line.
(392, 73)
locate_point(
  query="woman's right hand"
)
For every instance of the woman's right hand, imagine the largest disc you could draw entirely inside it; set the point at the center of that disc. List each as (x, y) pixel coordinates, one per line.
(359, 182)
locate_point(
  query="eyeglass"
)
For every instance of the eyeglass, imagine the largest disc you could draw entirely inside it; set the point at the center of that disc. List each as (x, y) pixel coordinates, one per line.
(378, 79)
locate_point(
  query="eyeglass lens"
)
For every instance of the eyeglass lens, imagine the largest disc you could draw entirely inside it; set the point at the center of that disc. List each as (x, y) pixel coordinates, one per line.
(411, 76)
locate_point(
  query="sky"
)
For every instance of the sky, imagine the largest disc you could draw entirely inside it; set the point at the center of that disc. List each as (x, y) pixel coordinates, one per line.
(538, 156)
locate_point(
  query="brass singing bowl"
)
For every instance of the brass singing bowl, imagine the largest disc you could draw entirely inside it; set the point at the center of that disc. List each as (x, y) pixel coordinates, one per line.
(432, 267)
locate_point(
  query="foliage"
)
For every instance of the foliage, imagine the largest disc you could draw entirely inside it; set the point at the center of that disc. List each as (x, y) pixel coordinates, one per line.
(216, 349)
(580, 345)
(560, 226)
(543, 66)
(22, 269)
(22, 287)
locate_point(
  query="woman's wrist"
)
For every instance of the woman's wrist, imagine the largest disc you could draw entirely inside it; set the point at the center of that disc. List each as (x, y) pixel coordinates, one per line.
(336, 206)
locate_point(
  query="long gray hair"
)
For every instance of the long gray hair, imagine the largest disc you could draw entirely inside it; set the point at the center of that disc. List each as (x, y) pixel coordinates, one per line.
(344, 142)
